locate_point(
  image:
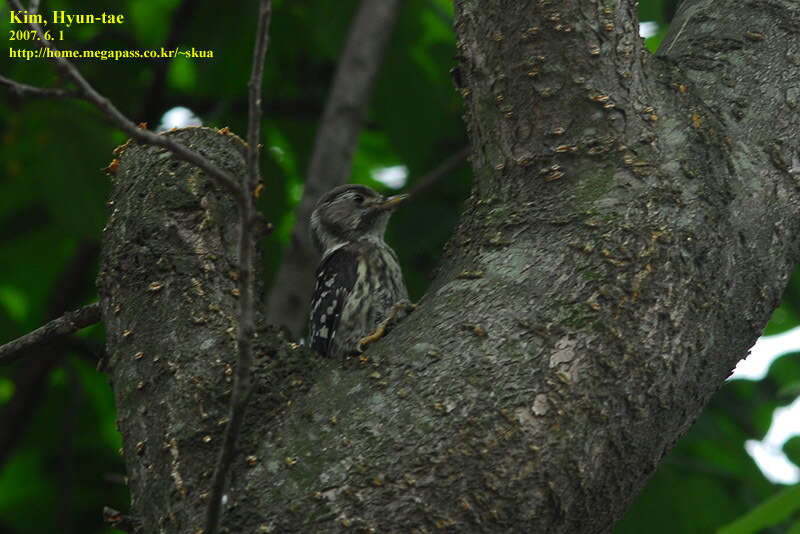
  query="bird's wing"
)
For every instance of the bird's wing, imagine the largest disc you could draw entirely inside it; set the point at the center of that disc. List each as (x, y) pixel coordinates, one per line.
(336, 276)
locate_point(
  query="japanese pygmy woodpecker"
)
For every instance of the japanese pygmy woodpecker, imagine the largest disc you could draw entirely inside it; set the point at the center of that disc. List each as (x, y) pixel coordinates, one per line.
(359, 284)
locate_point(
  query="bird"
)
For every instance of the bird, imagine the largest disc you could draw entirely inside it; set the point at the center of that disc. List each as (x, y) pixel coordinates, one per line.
(359, 288)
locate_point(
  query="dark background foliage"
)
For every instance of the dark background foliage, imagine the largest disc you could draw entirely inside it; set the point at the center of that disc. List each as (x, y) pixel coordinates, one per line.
(59, 460)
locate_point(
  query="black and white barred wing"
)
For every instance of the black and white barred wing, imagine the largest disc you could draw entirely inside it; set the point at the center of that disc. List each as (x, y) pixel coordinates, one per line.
(336, 276)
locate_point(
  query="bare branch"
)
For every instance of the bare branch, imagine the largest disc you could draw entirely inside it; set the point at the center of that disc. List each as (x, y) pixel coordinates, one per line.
(25, 90)
(331, 159)
(67, 324)
(242, 381)
(444, 168)
(88, 93)
(30, 380)
(254, 86)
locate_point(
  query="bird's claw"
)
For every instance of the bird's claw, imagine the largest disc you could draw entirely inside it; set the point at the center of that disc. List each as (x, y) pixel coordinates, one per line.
(395, 316)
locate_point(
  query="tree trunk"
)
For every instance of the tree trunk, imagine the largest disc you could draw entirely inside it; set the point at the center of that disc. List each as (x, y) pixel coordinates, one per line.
(633, 223)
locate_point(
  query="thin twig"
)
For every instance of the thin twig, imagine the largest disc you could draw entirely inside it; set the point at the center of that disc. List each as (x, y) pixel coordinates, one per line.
(25, 90)
(33, 7)
(254, 86)
(88, 93)
(241, 385)
(67, 324)
(446, 167)
(30, 380)
(683, 26)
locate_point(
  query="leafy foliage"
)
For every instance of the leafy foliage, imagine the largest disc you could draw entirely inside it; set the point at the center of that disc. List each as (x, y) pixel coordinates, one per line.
(65, 465)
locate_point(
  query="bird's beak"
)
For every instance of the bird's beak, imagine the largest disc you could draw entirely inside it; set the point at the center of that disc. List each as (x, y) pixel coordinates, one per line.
(392, 202)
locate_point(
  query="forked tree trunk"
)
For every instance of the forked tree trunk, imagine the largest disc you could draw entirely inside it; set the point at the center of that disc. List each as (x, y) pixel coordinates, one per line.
(633, 223)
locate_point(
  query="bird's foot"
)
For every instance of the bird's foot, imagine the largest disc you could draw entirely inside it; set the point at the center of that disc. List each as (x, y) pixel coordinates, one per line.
(400, 311)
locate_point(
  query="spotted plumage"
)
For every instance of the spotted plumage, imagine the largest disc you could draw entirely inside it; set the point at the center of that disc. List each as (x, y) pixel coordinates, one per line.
(359, 279)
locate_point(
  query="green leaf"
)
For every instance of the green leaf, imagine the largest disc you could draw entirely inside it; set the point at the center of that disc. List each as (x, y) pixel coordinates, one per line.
(150, 20)
(6, 390)
(678, 502)
(770, 512)
(282, 153)
(651, 10)
(15, 302)
(792, 450)
(374, 150)
(26, 490)
(783, 318)
(182, 73)
(789, 391)
(104, 415)
(654, 42)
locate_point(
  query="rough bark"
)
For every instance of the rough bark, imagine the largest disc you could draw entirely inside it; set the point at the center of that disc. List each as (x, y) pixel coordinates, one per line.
(633, 222)
(332, 156)
(168, 292)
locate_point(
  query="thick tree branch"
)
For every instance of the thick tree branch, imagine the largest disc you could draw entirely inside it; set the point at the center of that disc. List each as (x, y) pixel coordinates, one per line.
(241, 193)
(192, 296)
(242, 383)
(68, 323)
(331, 158)
(602, 283)
(708, 61)
(599, 290)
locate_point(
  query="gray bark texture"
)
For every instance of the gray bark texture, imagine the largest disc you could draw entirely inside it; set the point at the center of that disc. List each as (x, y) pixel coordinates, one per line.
(633, 222)
(332, 157)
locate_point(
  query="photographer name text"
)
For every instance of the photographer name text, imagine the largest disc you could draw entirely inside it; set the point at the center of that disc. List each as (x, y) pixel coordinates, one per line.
(67, 19)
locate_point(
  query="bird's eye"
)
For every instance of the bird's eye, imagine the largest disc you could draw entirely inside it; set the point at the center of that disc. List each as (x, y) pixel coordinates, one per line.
(358, 199)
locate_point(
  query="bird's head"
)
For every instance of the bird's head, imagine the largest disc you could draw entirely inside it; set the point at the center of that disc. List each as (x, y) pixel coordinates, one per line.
(348, 213)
